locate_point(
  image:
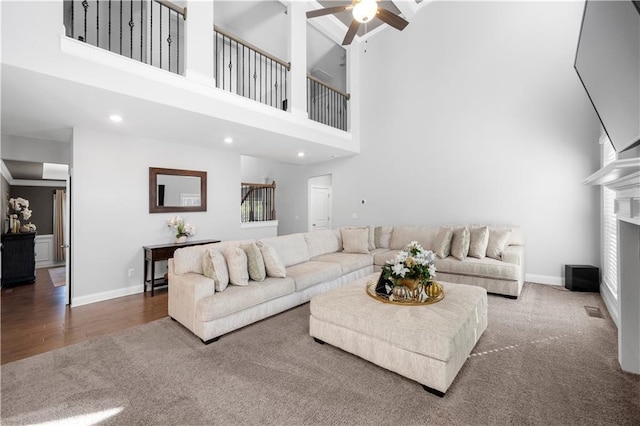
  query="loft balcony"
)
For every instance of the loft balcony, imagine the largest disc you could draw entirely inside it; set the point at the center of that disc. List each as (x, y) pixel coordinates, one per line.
(163, 60)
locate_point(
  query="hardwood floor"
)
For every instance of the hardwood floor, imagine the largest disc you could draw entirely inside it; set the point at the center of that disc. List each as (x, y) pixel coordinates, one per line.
(34, 318)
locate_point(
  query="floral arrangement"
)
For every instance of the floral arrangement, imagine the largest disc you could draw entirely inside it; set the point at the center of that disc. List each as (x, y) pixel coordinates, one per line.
(413, 262)
(182, 229)
(19, 206)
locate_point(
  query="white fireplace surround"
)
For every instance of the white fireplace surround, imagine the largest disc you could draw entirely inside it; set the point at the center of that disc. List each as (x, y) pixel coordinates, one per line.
(623, 176)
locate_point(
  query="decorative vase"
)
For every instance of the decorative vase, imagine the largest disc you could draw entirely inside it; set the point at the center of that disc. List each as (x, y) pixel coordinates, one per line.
(181, 239)
(410, 283)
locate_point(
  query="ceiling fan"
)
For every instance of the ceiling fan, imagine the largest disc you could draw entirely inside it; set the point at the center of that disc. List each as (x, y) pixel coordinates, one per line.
(363, 11)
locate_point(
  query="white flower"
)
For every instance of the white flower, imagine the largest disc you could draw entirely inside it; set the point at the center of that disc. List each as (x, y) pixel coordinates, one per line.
(399, 269)
(26, 213)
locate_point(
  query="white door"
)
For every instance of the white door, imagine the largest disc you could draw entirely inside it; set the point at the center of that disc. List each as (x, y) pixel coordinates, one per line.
(67, 238)
(319, 208)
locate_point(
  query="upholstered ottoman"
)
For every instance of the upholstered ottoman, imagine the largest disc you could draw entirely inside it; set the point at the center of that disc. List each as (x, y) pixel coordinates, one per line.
(428, 344)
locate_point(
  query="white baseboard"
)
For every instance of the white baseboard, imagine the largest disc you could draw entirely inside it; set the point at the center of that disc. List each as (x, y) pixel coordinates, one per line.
(106, 295)
(543, 279)
(611, 303)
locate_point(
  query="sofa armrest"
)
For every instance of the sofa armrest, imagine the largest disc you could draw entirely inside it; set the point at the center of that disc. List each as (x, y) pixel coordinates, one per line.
(185, 291)
(514, 254)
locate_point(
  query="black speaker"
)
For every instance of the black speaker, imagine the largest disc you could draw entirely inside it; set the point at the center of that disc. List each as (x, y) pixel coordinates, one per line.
(582, 278)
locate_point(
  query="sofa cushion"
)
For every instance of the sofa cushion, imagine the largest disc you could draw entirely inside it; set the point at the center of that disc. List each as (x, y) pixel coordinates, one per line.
(313, 272)
(403, 235)
(355, 240)
(380, 258)
(442, 244)
(323, 242)
(255, 263)
(292, 248)
(498, 240)
(237, 264)
(460, 243)
(485, 268)
(382, 236)
(214, 266)
(272, 263)
(235, 299)
(479, 238)
(349, 262)
(189, 259)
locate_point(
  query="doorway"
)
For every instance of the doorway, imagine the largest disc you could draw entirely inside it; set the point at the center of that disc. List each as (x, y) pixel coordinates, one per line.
(320, 205)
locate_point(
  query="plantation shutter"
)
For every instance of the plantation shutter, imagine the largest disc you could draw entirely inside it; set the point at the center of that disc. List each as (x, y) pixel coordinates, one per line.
(609, 227)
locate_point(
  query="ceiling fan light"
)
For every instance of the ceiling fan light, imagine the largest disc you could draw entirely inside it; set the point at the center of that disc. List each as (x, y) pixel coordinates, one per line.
(365, 10)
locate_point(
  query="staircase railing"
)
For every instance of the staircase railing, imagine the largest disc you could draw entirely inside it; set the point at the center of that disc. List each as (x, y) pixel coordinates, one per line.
(150, 31)
(326, 104)
(258, 202)
(249, 71)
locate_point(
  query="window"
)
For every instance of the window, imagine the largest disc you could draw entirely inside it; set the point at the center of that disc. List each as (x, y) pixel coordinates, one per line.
(609, 226)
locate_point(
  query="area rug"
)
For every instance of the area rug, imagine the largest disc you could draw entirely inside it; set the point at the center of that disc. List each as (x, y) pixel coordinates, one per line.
(58, 277)
(542, 361)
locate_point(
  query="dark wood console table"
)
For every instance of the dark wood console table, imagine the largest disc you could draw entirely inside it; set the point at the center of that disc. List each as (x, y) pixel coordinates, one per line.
(158, 252)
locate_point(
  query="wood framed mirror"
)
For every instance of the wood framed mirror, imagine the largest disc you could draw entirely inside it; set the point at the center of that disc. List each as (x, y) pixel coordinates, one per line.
(175, 191)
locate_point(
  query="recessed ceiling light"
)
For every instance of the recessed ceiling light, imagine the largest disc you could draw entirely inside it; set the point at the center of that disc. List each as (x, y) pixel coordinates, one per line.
(115, 118)
(301, 154)
(228, 140)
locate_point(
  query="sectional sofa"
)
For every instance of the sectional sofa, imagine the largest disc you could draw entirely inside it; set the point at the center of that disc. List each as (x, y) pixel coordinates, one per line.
(218, 288)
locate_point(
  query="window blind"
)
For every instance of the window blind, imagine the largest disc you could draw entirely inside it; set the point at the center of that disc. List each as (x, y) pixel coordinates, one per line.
(609, 227)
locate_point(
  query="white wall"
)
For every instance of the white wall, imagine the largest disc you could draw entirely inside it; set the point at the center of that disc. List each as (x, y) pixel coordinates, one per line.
(474, 114)
(110, 207)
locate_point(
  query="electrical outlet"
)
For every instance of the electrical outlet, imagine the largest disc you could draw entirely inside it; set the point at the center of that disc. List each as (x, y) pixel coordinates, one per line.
(130, 273)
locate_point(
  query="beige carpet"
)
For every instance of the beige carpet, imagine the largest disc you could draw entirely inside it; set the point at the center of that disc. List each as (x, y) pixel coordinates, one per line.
(57, 275)
(542, 361)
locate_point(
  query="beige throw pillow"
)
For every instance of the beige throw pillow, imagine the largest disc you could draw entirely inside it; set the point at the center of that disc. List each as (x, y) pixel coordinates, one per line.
(255, 263)
(442, 244)
(498, 240)
(478, 242)
(382, 236)
(460, 243)
(215, 267)
(237, 264)
(355, 240)
(272, 263)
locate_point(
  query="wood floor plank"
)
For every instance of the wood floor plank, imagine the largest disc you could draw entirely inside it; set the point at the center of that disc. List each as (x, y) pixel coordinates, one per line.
(34, 318)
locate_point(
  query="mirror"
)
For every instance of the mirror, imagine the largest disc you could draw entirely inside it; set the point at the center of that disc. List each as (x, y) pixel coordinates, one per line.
(173, 190)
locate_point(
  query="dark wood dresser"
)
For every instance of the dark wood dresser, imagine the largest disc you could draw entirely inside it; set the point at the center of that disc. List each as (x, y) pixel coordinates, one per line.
(18, 258)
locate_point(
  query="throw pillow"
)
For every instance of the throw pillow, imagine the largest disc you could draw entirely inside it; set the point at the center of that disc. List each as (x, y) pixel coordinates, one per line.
(385, 236)
(215, 267)
(255, 263)
(460, 243)
(442, 244)
(479, 238)
(237, 264)
(272, 262)
(355, 240)
(498, 240)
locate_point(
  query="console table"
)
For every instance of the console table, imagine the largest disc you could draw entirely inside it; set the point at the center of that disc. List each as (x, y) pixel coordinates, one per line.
(18, 258)
(158, 252)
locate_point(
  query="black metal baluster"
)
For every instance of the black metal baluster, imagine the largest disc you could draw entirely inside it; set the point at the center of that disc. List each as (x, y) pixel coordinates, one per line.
(73, 30)
(254, 76)
(120, 52)
(151, 35)
(223, 61)
(131, 25)
(215, 59)
(243, 68)
(141, 29)
(169, 39)
(109, 25)
(271, 81)
(98, 23)
(85, 4)
(160, 39)
(178, 44)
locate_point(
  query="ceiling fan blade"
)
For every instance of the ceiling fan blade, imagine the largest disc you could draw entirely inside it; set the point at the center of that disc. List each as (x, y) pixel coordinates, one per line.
(391, 18)
(351, 32)
(327, 11)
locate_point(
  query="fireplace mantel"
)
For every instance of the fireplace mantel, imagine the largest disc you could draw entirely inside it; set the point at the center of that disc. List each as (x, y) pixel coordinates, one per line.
(622, 176)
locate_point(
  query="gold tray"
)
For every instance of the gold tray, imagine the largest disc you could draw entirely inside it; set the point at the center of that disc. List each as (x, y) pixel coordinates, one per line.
(371, 291)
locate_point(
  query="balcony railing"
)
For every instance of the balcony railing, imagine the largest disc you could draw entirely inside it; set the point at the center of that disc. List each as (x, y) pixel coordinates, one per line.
(325, 104)
(249, 71)
(258, 202)
(150, 31)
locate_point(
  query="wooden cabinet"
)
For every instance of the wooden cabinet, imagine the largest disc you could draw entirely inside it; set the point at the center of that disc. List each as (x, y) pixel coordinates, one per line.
(18, 258)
